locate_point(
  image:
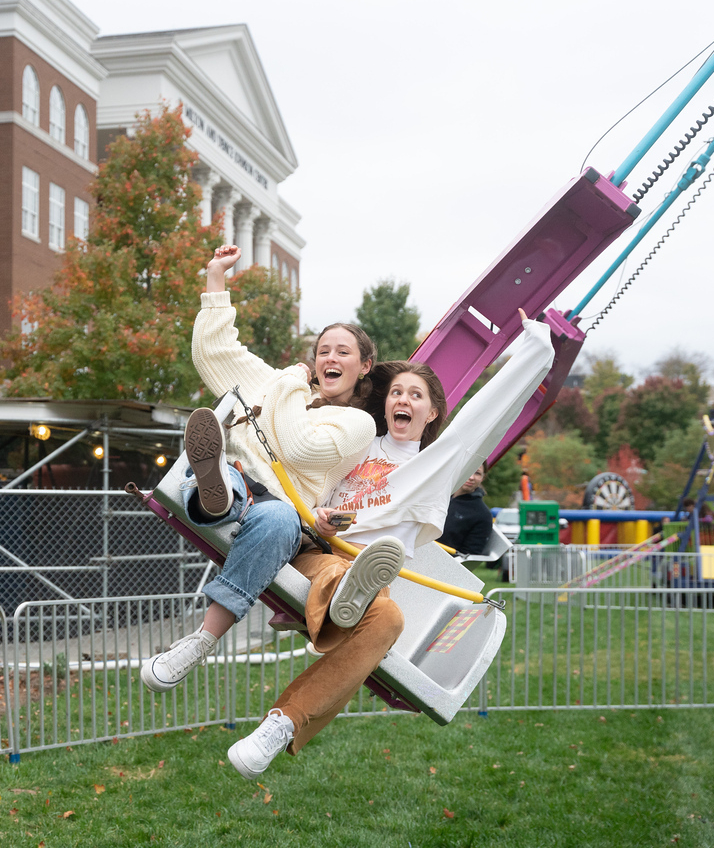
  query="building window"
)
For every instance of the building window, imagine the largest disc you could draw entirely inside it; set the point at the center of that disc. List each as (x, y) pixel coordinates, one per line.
(30, 96)
(275, 262)
(57, 116)
(293, 280)
(81, 218)
(81, 132)
(56, 217)
(30, 203)
(286, 273)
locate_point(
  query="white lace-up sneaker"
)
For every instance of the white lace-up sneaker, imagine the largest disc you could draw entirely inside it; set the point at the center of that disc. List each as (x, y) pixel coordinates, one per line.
(375, 567)
(165, 671)
(252, 756)
(206, 452)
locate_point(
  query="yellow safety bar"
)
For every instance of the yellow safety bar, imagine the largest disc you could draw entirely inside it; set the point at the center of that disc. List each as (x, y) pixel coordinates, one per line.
(336, 542)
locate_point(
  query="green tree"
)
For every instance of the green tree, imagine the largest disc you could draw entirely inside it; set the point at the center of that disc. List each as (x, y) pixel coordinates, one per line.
(560, 466)
(386, 318)
(607, 412)
(502, 480)
(266, 315)
(650, 412)
(671, 466)
(690, 369)
(570, 414)
(118, 319)
(605, 374)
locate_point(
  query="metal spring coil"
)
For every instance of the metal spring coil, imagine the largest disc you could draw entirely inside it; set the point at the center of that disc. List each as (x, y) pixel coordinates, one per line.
(652, 252)
(678, 148)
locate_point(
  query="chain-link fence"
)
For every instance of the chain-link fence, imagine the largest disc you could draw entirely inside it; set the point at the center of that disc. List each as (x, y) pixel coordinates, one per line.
(68, 545)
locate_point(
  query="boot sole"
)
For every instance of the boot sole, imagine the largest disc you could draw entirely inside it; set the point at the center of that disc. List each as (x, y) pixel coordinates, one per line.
(375, 567)
(204, 446)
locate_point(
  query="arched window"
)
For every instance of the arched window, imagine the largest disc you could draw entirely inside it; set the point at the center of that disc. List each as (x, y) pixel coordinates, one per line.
(57, 116)
(293, 280)
(275, 262)
(81, 132)
(30, 96)
(286, 273)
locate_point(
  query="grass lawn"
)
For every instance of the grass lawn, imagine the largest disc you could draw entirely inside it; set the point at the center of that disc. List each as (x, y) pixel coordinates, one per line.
(615, 778)
(612, 778)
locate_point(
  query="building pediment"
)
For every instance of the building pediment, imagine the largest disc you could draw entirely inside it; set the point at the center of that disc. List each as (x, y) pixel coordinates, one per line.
(216, 69)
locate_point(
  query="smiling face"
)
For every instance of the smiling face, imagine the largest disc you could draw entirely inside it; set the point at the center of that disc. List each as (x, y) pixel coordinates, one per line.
(408, 408)
(338, 365)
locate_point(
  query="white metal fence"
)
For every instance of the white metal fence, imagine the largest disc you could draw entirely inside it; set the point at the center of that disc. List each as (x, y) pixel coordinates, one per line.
(610, 566)
(91, 585)
(621, 647)
(564, 649)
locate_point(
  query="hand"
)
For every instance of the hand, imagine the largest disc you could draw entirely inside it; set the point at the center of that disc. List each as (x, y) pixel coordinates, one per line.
(523, 315)
(306, 369)
(225, 257)
(322, 522)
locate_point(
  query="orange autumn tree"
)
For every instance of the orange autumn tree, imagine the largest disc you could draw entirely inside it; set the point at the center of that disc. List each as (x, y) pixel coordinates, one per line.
(117, 321)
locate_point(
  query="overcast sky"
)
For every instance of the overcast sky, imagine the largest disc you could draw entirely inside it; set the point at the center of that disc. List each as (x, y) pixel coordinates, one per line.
(429, 135)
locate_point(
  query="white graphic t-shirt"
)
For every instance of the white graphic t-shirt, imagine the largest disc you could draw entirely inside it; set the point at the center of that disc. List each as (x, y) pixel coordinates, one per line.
(397, 490)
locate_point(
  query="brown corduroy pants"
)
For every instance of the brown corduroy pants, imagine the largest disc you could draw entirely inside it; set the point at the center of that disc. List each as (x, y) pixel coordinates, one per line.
(317, 695)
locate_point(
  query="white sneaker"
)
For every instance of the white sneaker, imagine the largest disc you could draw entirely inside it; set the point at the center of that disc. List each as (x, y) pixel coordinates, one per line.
(206, 452)
(165, 671)
(252, 756)
(375, 567)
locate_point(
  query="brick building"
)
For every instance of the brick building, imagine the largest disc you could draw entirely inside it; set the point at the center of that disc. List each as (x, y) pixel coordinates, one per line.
(49, 86)
(64, 93)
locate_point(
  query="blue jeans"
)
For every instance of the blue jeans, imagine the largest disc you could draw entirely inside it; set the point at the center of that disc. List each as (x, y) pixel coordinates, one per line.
(268, 538)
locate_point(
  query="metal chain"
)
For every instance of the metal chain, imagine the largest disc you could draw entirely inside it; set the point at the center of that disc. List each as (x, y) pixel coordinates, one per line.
(250, 415)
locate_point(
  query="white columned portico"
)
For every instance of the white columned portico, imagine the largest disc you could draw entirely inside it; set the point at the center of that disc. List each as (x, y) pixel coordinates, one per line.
(207, 180)
(245, 219)
(264, 229)
(227, 197)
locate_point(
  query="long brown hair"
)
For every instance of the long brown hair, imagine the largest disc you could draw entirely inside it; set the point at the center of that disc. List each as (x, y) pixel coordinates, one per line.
(367, 351)
(384, 374)
(363, 388)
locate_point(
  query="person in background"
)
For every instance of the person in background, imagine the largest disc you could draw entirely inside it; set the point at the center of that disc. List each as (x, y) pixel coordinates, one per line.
(469, 521)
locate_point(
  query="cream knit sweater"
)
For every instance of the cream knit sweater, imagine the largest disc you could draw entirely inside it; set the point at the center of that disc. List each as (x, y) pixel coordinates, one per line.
(317, 447)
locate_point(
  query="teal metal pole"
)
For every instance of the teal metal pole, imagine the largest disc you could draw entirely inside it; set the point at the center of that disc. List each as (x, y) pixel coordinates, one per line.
(695, 170)
(651, 137)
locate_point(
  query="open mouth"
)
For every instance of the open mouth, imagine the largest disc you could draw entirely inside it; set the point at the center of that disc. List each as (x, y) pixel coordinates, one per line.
(402, 419)
(333, 373)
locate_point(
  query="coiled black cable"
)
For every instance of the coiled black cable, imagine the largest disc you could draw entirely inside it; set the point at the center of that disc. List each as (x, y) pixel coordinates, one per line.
(652, 252)
(678, 149)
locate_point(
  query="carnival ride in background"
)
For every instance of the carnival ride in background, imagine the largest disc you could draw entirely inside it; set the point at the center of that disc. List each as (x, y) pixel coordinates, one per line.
(449, 642)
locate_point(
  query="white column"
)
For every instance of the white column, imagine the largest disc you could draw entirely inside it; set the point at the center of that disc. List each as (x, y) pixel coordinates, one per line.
(264, 228)
(245, 219)
(227, 197)
(207, 180)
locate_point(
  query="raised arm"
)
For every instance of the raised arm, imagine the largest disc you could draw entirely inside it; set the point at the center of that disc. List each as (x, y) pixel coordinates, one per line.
(220, 359)
(485, 419)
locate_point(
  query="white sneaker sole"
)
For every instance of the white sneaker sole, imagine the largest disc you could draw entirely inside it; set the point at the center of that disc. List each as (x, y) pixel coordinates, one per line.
(239, 765)
(205, 444)
(375, 567)
(151, 681)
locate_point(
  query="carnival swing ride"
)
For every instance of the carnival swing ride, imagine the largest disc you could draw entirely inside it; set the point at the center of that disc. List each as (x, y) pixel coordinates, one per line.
(452, 634)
